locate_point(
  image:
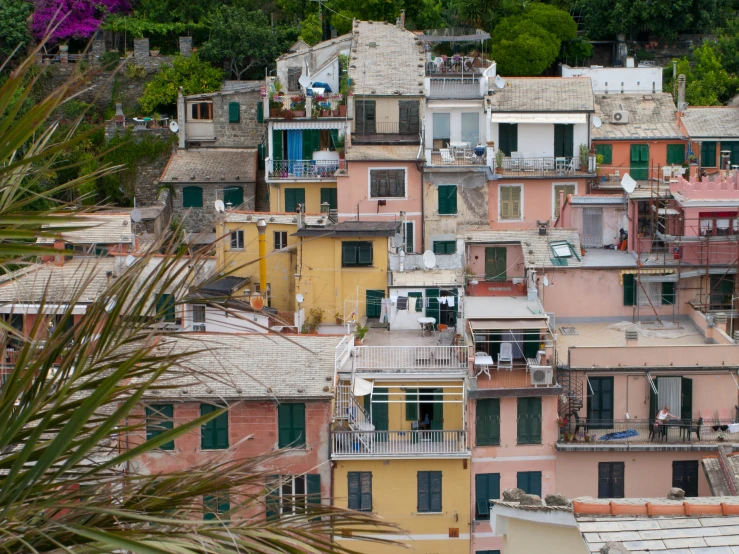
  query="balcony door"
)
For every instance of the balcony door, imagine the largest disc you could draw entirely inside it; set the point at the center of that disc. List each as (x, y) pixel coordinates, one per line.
(564, 138)
(640, 162)
(685, 476)
(495, 264)
(431, 410)
(376, 404)
(365, 116)
(408, 117)
(600, 402)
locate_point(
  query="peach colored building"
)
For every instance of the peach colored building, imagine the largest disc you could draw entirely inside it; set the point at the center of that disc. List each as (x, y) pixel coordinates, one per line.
(713, 133)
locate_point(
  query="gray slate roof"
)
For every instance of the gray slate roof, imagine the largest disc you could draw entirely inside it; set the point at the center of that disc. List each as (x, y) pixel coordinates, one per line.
(714, 122)
(536, 250)
(544, 94)
(211, 166)
(651, 116)
(233, 216)
(255, 366)
(355, 229)
(113, 228)
(379, 152)
(717, 479)
(394, 66)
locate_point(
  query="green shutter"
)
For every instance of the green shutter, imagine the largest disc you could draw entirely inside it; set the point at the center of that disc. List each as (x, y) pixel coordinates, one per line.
(348, 254)
(161, 420)
(272, 498)
(284, 426)
(447, 199)
(410, 240)
(488, 422)
(291, 425)
(315, 143)
(192, 197)
(422, 484)
(298, 424)
(233, 195)
(563, 140)
(365, 253)
(165, 310)
(444, 246)
(668, 294)
(675, 154)
(529, 421)
(432, 310)
(353, 490)
(686, 397)
(605, 150)
(329, 195)
(419, 301)
(629, 290)
(487, 487)
(214, 433)
(529, 482)
(234, 112)
(411, 404)
(313, 490)
(334, 138)
(708, 154)
(260, 112)
(508, 137)
(277, 146)
(293, 198)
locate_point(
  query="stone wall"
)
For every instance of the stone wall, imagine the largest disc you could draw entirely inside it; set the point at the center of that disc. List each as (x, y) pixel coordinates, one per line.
(247, 133)
(203, 220)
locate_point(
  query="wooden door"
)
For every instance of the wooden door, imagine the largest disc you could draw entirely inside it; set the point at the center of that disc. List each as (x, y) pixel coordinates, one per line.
(495, 264)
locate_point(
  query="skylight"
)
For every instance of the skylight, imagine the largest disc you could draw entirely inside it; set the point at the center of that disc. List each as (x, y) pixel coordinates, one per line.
(561, 249)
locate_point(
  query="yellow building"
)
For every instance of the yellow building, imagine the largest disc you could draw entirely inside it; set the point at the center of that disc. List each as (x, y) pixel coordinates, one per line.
(399, 441)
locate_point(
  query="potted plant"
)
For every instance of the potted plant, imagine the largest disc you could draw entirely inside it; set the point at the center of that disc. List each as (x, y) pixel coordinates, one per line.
(297, 105)
(274, 107)
(499, 155)
(359, 334)
(287, 114)
(693, 159)
(278, 87)
(584, 153)
(154, 53)
(586, 437)
(562, 423)
(339, 318)
(340, 146)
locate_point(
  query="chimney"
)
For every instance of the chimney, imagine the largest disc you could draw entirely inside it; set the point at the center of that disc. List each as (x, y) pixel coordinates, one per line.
(181, 118)
(261, 229)
(632, 338)
(681, 94)
(402, 19)
(60, 258)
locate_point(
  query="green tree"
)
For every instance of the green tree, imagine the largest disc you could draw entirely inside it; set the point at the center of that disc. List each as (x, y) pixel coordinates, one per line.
(487, 14)
(707, 81)
(521, 47)
(576, 51)
(310, 30)
(245, 39)
(556, 21)
(14, 29)
(192, 74)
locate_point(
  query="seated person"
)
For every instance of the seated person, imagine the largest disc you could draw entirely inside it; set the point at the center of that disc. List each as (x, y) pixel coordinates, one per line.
(664, 415)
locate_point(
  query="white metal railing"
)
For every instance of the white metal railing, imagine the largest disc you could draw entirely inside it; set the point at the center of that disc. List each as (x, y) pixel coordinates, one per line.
(304, 169)
(347, 408)
(455, 87)
(398, 443)
(409, 357)
(343, 351)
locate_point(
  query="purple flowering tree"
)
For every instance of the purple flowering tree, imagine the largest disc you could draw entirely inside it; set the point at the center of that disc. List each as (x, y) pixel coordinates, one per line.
(83, 17)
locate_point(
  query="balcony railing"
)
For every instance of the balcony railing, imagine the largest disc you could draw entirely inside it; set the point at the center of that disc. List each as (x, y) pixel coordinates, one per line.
(455, 87)
(411, 357)
(304, 169)
(380, 132)
(543, 167)
(646, 431)
(459, 156)
(399, 443)
(462, 65)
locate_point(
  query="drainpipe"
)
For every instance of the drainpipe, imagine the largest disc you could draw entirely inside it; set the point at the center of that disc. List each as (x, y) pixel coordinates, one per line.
(261, 228)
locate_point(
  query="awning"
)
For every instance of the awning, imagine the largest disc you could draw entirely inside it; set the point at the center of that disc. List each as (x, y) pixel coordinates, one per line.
(507, 324)
(642, 271)
(497, 117)
(362, 387)
(313, 124)
(31, 308)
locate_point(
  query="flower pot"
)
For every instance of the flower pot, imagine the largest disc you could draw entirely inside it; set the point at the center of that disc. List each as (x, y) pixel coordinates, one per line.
(64, 48)
(299, 113)
(342, 110)
(520, 287)
(335, 113)
(342, 155)
(154, 53)
(339, 321)
(325, 113)
(273, 112)
(357, 342)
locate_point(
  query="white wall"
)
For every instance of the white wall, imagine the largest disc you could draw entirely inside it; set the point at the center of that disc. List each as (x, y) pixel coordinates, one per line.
(609, 79)
(216, 321)
(536, 140)
(455, 121)
(406, 319)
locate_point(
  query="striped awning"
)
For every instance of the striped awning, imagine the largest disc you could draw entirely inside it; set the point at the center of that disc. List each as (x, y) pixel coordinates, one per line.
(642, 271)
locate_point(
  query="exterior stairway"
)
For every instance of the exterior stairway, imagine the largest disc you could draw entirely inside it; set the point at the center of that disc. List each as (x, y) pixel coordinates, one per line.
(348, 409)
(572, 399)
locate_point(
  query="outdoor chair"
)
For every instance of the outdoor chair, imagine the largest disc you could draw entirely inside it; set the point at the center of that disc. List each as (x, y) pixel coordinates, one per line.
(446, 157)
(505, 357)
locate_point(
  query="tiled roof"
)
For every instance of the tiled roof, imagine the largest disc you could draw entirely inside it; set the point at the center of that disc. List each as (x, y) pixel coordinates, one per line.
(386, 60)
(212, 165)
(428, 278)
(599, 257)
(98, 229)
(279, 218)
(713, 122)
(537, 252)
(254, 366)
(722, 472)
(377, 152)
(544, 94)
(355, 229)
(230, 87)
(595, 199)
(651, 116)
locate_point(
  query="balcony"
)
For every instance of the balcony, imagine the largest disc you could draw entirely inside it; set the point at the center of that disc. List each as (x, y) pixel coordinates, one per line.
(457, 65)
(378, 358)
(401, 444)
(451, 157)
(290, 107)
(385, 132)
(544, 167)
(454, 87)
(480, 287)
(304, 170)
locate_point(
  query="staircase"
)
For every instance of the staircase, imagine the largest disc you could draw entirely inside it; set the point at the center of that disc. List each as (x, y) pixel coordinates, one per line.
(572, 399)
(348, 409)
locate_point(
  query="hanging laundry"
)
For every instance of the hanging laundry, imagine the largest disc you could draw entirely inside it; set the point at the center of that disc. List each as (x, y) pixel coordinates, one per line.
(383, 310)
(450, 301)
(442, 300)
(412, 303)
(402, 302)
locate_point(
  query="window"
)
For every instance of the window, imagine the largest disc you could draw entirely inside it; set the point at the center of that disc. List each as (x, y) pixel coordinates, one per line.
(291, 494)
(201, 110)
(294, 198)
(234, 112)
(328, 196)
(419, 300)
(237, 240)
(444, 246)
(639, 162)
(718, 224)
(408, 120)
(611, 480)
(280, 240)
(567, 189)
(198, 314)
(721, 292)
(442, 130)
(365, 122)
(605, 150)
(409, 240)
(293, 78)
(685, 476)
(510, 202)
(165, 308)
(360, 490)
(447, 199)
(214, 433)
(429, 491)
(675, 154)
(159, 420)
(487, 487)
(708, 154)
(356, 254)
(215, 505)
(488, 422)
(733, 149)
(529, 482)
(387, 183)
(659, 294)
(529, 421)
(291, 425)
(563, 140)
(508, 137)
(233, 196)
(471, 129)
(192, 197)
(260, 119)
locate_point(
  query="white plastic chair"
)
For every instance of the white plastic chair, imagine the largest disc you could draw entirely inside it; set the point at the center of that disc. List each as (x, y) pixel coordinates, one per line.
(447, 157)
(516, 158)
(505, 357)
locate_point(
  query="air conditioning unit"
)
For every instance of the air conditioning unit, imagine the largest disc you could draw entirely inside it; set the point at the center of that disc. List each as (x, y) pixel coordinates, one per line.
(542, 376)
(621, 116)
(199, 328)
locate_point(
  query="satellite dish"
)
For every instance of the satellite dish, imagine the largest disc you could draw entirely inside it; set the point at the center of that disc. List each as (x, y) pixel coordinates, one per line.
(299, 298)
(129, 260)
(110, 305)
(135, 215)
(256, 301)
(627, 183)
(304, 81)
(398, 240)
(597, 122)
(429, 259)
(500, 82)
(174, 126)
(220, 206)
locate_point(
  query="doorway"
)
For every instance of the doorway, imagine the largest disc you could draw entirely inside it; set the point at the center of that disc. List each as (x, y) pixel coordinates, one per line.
(600, 402)
(495, 264)
(431, 409)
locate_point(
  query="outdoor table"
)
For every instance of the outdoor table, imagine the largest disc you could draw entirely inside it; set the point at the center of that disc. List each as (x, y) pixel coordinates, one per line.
(424, 322)
(484, 363)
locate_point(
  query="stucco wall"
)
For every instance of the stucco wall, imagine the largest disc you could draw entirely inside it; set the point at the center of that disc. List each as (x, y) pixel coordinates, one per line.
(514, 261)
(614, 218)
(312, 195)
(536, 140)
(621, 156)
(197, 220)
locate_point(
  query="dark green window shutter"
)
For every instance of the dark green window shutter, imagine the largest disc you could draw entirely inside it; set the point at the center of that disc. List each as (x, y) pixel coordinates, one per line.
(708, 154)
(508, 137)
(365, 253)
(529, 482)
(158, 420)
(675, 154)
(435, 491)
(277, 146)
(234, 112)
(410, 240)
(419, 301)
(348, 254)
(668, 294)
(444, 247)
(298, 423)
(432, 310)
(293, 198)
(605, 150)
(234, 196)
(192, 197)
(272, 499)
(563, 140)
(284, 422)
(334, 137)
(529, 421)
(329, 195)
(488, 422)
(356, 253)
(429, 491)
(260, 112)
(165, 310)
(629, 290)
(411, 404)
(422, 502)
(686, 397)
(315, 143)
(215, 505)
(487, 487)
(447, 199)
(360, 491)
(313, 490)
(353, 493)
(291, 425)
(214, 433)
